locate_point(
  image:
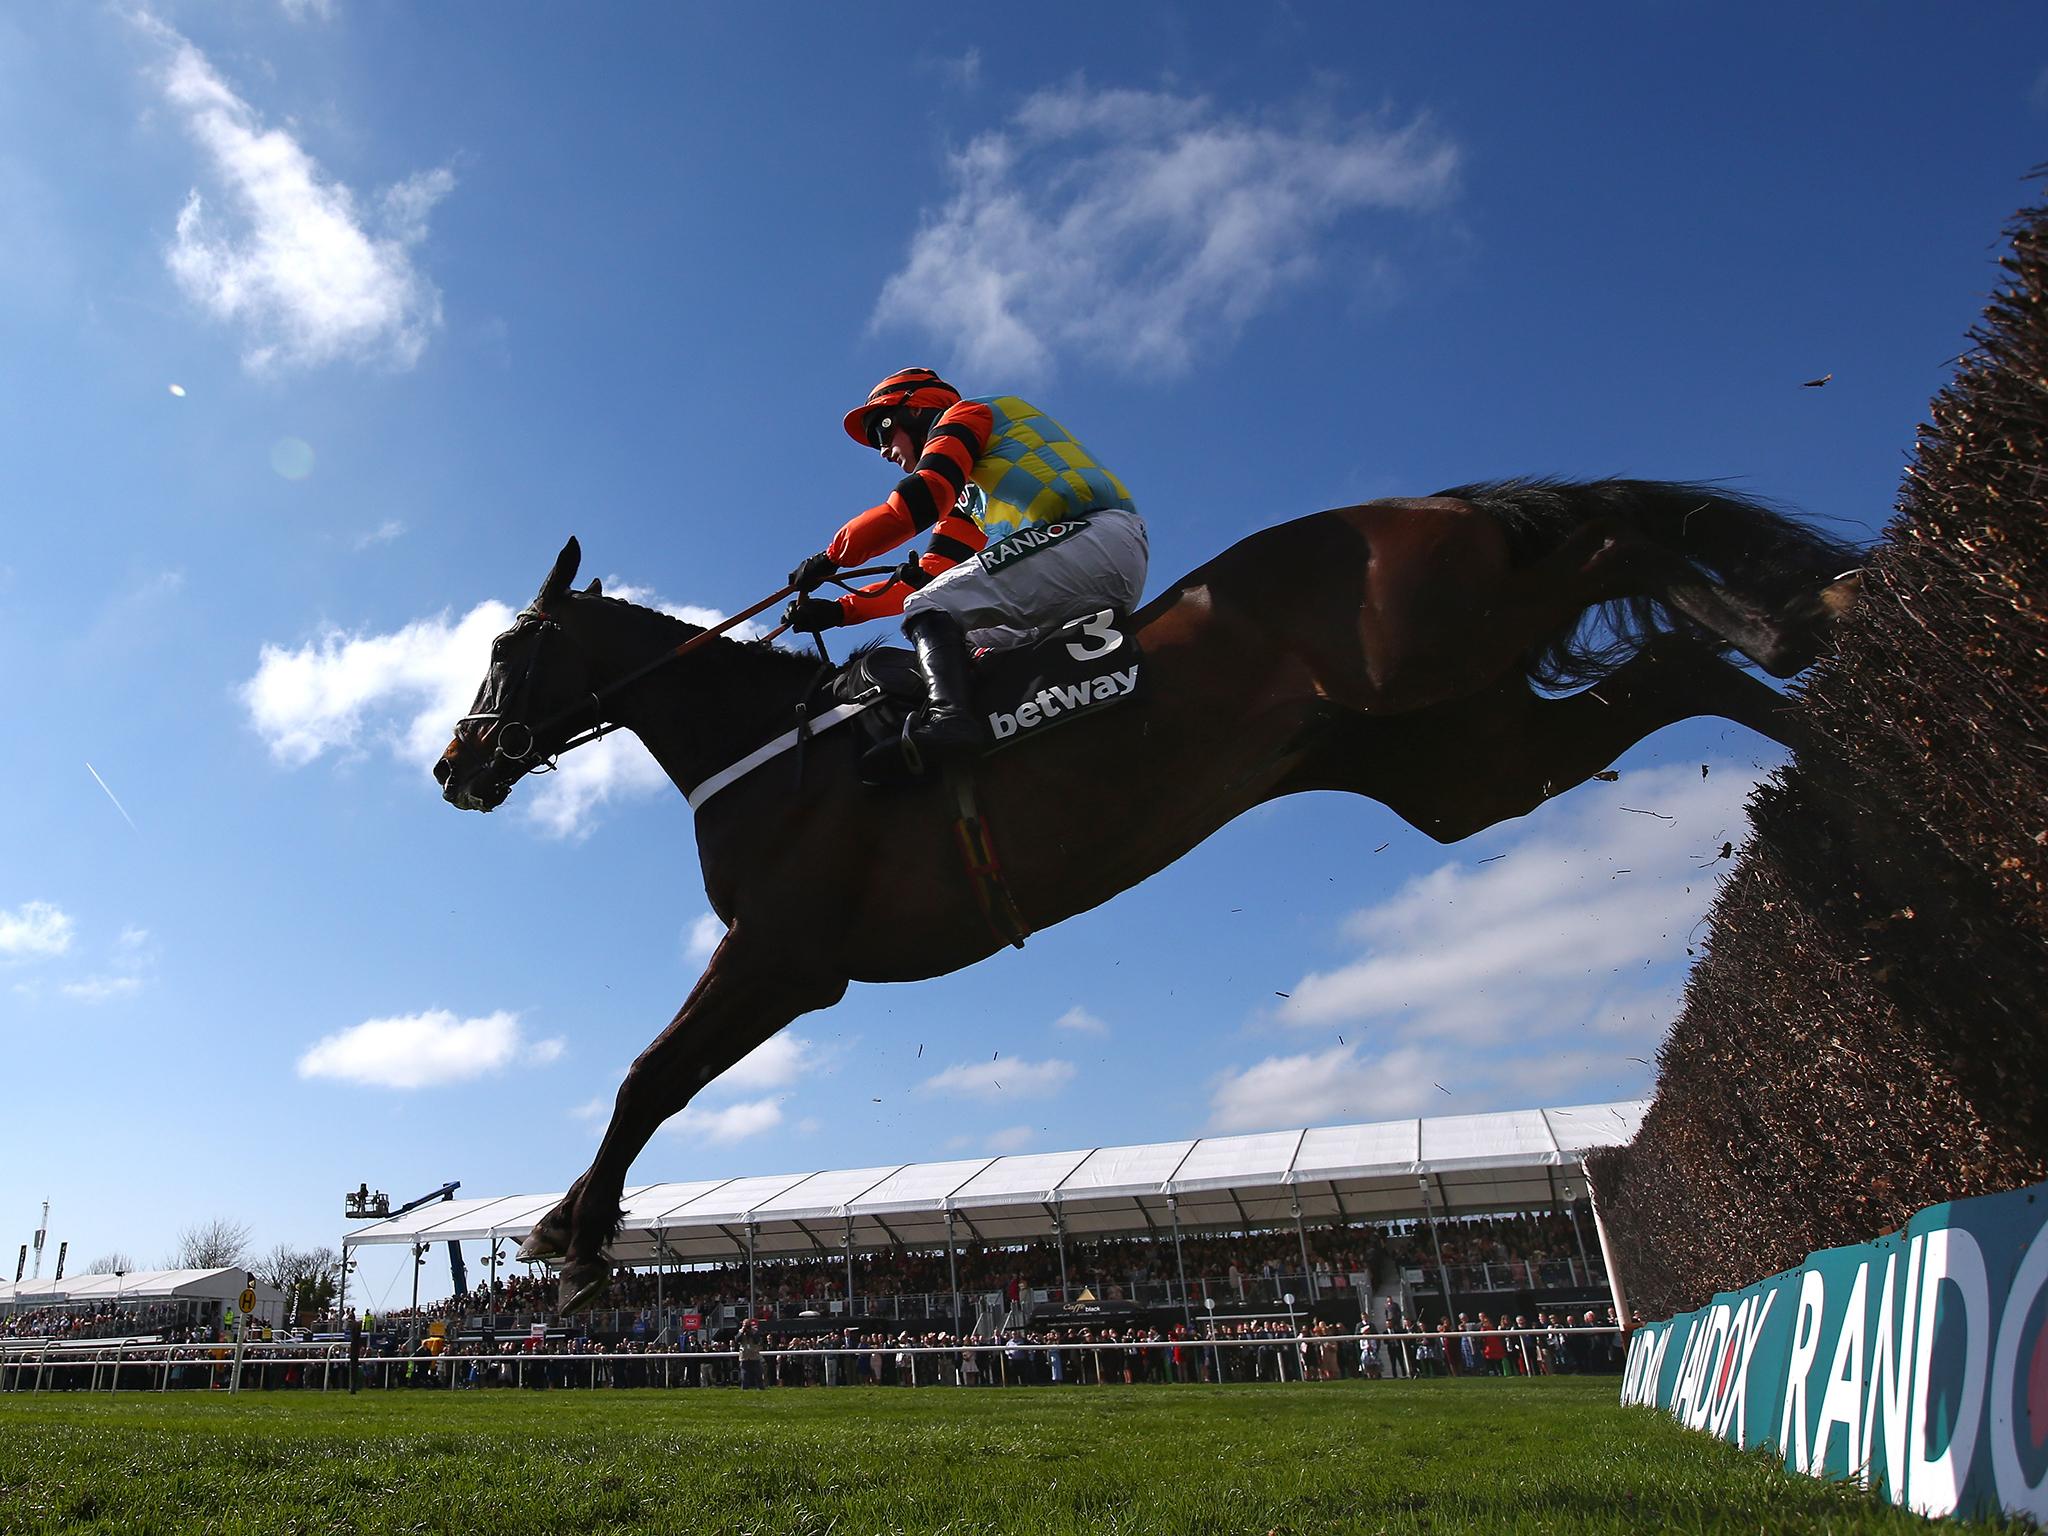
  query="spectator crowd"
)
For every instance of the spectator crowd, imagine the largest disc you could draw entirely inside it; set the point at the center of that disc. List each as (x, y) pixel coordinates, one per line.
(1524, 1251)
(1251, 1351)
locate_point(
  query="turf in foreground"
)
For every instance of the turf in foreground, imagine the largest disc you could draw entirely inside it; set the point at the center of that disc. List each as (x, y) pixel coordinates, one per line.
(1344, 1456)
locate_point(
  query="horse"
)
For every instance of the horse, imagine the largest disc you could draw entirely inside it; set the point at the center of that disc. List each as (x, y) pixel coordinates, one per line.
(1460, 658)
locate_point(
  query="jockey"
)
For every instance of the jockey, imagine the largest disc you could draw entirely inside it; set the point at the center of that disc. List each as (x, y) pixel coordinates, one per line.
(1028, 532)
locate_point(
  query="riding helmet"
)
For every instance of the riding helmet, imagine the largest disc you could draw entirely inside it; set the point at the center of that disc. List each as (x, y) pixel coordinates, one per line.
(918, 393)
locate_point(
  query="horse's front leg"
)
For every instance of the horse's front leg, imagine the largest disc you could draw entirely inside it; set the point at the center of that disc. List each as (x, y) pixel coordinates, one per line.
(747, 993)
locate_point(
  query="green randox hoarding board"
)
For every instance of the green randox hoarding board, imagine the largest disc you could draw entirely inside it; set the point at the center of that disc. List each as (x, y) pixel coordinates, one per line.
(1917, 1363)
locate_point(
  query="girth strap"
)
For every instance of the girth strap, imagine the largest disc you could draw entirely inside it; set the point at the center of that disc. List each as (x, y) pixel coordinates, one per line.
(984, 869)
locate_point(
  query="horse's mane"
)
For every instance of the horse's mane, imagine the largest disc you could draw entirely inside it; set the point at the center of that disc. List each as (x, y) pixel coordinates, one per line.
(736, 674)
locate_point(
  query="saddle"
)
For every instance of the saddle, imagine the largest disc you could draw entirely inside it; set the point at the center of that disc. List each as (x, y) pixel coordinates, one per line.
(1087, 665)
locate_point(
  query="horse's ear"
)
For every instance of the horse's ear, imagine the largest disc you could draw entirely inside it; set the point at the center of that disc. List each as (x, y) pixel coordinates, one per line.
(595, 589)
(560, 577)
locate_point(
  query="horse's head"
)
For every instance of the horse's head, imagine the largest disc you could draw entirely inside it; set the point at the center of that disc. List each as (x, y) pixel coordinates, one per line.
(535, 694)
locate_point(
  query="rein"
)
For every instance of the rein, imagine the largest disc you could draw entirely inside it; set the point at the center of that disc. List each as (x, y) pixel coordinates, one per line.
(593, 703)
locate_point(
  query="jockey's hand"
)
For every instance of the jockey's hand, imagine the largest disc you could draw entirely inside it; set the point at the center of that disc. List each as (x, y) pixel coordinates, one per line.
(808, 615)
(812, 571)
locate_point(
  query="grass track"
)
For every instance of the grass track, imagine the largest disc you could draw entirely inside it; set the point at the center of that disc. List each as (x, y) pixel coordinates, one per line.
(1548, 1455)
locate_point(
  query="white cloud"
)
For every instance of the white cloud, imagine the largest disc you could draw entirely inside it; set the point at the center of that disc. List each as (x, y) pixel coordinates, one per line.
(1344, 1084)
(1011, 1139)
(384, 533)
(1143, 229)
(1547, 973)
(962, 71)
(734, 1122)
(702, 937)
(1316, 1088)
(405, 689)
(776, 1062)
(133, 964)
(34, 930)
(565, 803)
(308, 10)
(101, 989)
(292, 259)
(1571, 915)
(993, 1079)
(1080, 1021)
(422, 1050)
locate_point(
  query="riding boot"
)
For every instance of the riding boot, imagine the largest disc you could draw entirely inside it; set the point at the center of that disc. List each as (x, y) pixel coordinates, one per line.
(948, 725)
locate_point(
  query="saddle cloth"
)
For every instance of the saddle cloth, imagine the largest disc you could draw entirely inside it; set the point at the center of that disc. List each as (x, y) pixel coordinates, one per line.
(1089, 664)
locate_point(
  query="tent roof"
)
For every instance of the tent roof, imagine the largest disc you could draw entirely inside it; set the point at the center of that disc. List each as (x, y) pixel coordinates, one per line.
(136, 1285)
(1515, 1160)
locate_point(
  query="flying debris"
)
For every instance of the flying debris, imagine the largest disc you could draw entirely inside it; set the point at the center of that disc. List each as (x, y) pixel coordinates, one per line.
(1816, 383)
(1383, 847)
(1658, 814)
(1703, 770)
(1606, 775)
(178, 390)
(1282, 994)
(1439, 1087)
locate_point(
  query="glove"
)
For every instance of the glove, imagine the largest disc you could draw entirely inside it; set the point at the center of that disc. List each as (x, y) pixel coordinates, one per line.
(808, 615)
(812, 571)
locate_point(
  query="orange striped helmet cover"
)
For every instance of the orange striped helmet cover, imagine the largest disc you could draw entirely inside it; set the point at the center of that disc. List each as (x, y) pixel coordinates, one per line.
(914, 389)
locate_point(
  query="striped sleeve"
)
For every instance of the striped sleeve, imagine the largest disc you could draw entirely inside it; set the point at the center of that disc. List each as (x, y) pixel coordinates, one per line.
(956, 538)
(923, 496)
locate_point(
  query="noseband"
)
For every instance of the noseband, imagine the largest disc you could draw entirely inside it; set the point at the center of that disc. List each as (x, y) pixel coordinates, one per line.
(512, 739)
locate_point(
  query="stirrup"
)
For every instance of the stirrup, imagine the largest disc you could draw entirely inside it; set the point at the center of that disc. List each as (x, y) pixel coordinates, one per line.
(895, 762)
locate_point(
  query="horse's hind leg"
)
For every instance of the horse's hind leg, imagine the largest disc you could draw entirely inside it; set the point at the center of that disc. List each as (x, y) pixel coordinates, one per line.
(745, 995)
(1783, 638)
(1456, 771)
(1568, 740)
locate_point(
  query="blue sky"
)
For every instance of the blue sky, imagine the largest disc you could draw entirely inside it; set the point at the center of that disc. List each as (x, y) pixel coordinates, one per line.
(438, 286)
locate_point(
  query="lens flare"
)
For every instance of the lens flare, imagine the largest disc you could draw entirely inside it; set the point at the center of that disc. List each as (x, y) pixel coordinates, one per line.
(292, 458)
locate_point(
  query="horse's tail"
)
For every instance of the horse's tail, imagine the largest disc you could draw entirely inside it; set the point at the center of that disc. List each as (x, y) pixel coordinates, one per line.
(1743, 543)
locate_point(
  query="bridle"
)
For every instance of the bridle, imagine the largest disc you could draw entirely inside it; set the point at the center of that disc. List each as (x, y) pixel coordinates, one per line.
(499, 725)
(503, 722)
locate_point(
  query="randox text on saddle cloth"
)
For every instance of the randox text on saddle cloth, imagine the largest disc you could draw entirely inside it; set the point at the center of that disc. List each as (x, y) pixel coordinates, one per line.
(1029, 541)
(1048, 704)
(1916, 1364)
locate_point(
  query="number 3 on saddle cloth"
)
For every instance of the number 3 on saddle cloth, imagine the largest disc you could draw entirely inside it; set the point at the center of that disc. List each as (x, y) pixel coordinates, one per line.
(1088, 664)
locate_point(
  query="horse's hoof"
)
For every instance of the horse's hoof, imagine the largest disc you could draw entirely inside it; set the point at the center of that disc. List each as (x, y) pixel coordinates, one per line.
(582, 1285)
(546, 1241)
(1842, 594)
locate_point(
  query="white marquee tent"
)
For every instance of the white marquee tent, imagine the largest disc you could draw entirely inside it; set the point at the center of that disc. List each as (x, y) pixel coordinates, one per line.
(213, 1288)
(1447, 1166)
